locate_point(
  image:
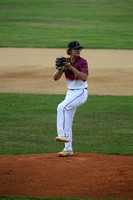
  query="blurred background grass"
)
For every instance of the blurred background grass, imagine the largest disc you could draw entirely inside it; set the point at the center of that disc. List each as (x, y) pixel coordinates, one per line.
(42, 23)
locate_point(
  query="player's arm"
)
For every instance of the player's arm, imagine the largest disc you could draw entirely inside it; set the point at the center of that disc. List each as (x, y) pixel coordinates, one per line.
(79, 74)
(58, 75)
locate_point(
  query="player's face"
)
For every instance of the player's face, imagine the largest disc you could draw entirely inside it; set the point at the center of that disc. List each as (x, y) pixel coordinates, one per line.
(76, 52)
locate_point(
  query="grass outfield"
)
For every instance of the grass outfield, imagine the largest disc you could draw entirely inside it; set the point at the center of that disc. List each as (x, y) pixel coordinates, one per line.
(102, 125)
(53, 23)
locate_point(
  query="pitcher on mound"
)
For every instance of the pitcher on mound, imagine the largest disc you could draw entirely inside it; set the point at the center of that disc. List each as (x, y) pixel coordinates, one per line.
(75, 69)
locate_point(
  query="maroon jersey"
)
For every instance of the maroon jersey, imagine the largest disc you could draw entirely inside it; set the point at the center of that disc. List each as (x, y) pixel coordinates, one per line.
(73, 82)
(80, 64)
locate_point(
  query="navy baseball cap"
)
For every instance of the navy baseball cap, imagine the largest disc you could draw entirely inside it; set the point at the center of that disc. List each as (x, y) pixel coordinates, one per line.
(74, 45)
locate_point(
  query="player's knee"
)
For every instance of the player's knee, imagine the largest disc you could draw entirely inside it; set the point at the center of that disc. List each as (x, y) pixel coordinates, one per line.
(60, 107)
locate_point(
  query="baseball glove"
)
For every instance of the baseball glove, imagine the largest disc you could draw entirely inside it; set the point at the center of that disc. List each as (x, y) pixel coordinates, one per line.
(62, 63)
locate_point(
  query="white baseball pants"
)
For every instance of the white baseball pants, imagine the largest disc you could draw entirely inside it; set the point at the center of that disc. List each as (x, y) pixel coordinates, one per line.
(66, 111)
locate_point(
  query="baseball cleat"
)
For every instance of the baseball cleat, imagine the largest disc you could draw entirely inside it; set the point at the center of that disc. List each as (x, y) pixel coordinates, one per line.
(62, 139)
(65, 153)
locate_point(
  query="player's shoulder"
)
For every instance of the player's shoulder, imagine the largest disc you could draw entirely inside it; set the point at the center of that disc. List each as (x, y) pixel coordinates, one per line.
(83, 60)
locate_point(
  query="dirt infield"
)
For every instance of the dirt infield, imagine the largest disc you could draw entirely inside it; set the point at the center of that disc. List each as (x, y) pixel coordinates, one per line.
(31, 71)
(81, 175)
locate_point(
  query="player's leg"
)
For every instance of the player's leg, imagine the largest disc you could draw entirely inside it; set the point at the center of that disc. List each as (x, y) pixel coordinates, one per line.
(65, 109)
(70, 115)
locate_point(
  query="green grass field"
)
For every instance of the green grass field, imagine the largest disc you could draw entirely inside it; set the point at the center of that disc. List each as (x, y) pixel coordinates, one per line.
(53, 23)
(102, 125)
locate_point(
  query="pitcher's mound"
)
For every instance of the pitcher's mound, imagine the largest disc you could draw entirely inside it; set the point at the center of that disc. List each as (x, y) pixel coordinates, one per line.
(82, 175)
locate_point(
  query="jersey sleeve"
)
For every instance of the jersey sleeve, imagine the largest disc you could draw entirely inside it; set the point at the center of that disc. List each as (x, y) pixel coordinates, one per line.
(84, 67)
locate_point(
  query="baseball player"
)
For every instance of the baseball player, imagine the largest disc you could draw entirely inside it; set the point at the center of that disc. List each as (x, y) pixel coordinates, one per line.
(75, 69)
